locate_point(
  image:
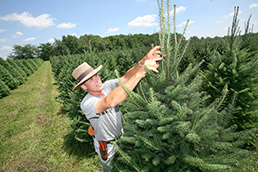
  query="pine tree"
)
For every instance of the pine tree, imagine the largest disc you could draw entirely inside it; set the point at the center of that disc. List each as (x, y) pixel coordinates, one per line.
(18, 68)
(28, 66)
(8, 78)
(13, 71)
(4, 89)
(32, 64)
(169, 126)
(237, 68)
(21, 65)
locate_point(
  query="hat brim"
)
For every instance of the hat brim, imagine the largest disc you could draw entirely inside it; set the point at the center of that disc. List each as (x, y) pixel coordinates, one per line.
(87, 77)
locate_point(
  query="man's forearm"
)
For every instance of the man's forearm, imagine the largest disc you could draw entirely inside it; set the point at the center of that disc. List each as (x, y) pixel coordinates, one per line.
(118, 95)
(131, 72)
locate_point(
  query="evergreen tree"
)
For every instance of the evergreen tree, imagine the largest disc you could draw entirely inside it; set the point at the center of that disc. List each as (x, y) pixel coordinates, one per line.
(21, 65)
(28, 66)
(169, 127)
(32, 64)
(17, 67)
(237, 68)
(8, 78)
(4, 89)
(13, 71)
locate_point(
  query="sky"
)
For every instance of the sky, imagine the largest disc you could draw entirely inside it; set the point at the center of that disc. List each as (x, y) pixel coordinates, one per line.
(38, 22)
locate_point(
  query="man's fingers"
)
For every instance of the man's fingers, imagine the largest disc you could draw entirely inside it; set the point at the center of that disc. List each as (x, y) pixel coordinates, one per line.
(155, 52)
(156, 48)
(158, 52)
(153, 62)
(158, 59)
(153, 69)
(152, 51)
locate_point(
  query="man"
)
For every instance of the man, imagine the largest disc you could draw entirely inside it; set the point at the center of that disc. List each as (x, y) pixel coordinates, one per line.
(100, 105)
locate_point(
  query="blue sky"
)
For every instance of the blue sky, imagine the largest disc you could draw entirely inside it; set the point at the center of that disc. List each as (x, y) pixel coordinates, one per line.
(41, 21)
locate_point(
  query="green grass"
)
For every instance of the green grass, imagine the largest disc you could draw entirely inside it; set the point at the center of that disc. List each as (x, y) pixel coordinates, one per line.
(33, 129)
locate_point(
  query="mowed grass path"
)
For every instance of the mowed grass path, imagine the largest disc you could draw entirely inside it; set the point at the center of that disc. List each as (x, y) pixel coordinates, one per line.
(32, 129)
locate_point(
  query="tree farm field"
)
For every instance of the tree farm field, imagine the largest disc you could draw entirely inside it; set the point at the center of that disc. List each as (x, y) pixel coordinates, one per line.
(33, 129)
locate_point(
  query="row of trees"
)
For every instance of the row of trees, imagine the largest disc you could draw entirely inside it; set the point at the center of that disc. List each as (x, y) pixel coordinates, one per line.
(71, 45)
(16, 72)
(191, 116)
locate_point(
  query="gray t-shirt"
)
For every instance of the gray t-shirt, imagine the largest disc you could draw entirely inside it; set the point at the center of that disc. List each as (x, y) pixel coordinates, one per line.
(108, 124)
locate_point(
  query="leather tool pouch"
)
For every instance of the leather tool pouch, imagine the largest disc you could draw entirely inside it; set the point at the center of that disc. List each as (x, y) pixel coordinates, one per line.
(91, 131)
(103, 150)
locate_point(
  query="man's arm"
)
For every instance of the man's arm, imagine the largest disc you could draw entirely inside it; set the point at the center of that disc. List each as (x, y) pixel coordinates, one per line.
(118, 95)
(130, 80)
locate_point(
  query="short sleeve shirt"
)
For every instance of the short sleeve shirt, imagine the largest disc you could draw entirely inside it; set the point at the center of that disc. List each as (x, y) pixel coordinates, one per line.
(108, 124)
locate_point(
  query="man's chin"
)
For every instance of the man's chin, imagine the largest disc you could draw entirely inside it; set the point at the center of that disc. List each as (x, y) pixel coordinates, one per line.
(100, 87)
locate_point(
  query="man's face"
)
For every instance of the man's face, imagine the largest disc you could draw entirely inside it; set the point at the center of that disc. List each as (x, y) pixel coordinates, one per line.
(94, 84)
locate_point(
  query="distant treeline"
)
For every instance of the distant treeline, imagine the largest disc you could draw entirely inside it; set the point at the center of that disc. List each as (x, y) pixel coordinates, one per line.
(71, 45)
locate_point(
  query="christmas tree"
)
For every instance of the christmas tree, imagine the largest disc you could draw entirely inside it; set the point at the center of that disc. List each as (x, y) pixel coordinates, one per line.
(237, 68)
(170, 127)
(4, 89)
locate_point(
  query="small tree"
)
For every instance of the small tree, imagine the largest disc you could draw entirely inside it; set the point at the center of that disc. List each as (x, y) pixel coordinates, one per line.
(28, 66)
(13, 71)
(4, 89)
(238, 69)
(7, 78)
(21, 65)
(18, 68)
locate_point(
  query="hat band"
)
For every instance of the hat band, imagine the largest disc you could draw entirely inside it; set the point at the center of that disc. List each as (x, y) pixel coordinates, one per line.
(84, 74)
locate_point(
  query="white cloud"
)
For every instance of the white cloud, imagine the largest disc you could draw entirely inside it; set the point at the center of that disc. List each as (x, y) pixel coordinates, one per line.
(229, 15)
(178, 9)
(51, 40)
(17, 34)
(5, 48)
(184, 23)
(110, 30)
(26, 19)
(146, 21)
(3, 40)
(29, 39)
(2, 30)
(66, 25)
(72, 34)
(254, 5)
(219, 21)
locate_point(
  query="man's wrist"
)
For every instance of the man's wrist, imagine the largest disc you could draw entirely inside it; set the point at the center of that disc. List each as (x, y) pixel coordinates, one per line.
(139, 63)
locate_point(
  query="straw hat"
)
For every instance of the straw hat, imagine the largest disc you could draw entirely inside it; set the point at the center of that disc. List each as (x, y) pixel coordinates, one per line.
(83, 72)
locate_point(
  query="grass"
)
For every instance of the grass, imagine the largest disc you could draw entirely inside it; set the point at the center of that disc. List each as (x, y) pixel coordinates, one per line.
(33, 130)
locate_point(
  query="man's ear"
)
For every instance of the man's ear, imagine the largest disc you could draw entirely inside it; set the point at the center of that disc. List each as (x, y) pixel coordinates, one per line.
(83, 86)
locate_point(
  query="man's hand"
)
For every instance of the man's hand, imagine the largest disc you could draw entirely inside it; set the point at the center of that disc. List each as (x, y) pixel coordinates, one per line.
(151, 60)
(153, 53)
(153, 64)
